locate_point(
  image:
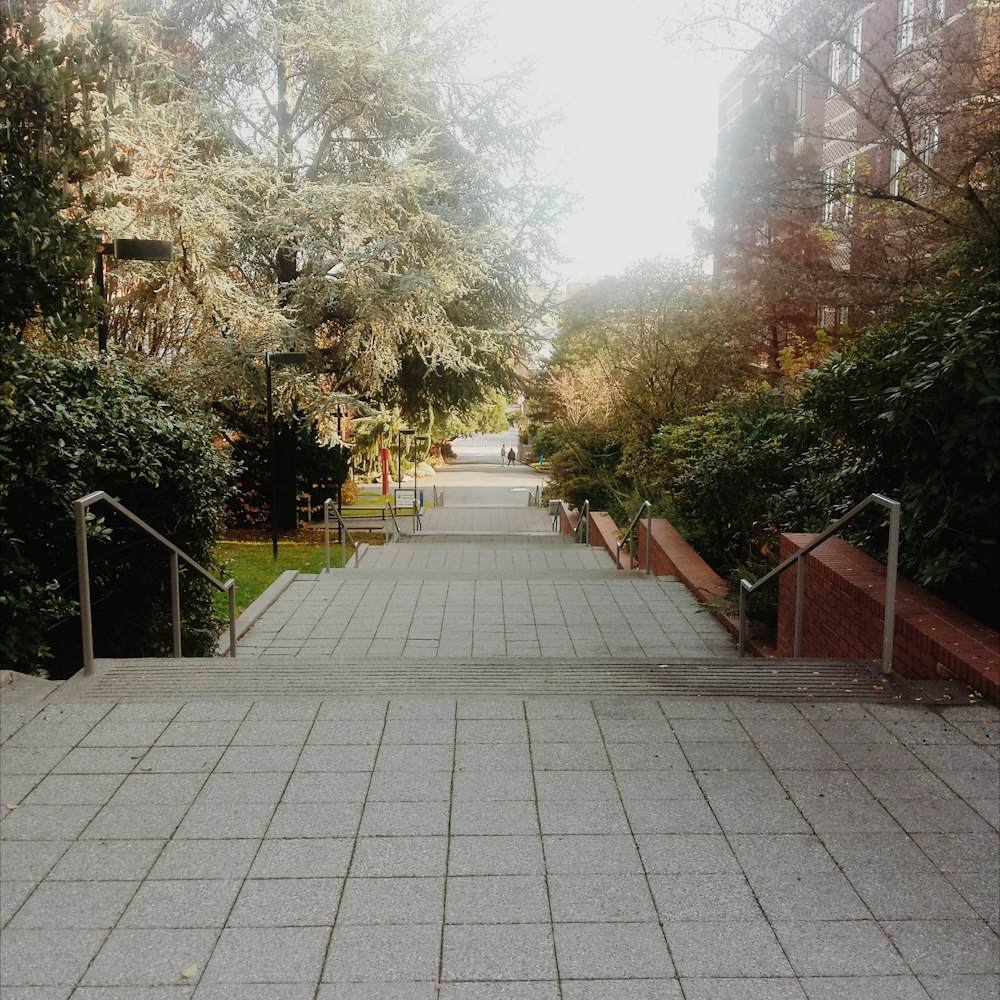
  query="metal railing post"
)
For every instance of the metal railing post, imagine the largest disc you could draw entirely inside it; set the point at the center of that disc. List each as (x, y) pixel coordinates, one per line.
(326, 534)
(83, 569)
(649, 539)
(232, 619)
(891, 570)
(800, 591)
(82, 505)
(744, 587)
(175, 602)
(891, 566)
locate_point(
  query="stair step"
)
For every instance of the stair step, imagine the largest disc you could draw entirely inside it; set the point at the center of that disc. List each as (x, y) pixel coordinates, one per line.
(490, 539)
(284, 677)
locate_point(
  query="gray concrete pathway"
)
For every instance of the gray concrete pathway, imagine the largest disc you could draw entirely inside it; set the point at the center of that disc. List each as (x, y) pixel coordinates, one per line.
(518, 847)
(538, 849)
(510, 587)
(476, 610)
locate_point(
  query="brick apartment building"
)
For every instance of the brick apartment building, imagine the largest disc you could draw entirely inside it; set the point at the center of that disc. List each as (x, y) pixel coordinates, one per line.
(852, 138)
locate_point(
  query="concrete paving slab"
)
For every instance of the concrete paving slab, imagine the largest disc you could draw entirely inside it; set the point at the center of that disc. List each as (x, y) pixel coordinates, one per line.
(602, 857)
(519, 832)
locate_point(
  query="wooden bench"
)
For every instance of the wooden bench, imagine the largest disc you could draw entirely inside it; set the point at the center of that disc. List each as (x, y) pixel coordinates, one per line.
(363, 517)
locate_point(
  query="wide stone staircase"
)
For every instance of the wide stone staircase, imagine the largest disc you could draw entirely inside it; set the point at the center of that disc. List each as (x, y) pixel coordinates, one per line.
(482, 601)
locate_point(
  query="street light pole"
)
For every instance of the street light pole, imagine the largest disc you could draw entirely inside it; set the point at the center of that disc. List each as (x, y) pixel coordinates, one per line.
(405, 431)
(272, 460)
(270, 361)
(421, 438)
(102, 316)
(340, 485)
(162, 250)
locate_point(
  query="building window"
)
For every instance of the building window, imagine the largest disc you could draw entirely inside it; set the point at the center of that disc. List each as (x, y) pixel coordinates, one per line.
(826, 317)
(904, 37)
(927, 151)
(835, 68)
(838, 189)
(800, 92)
(829, 193)
(854, 54)
(897, 172)
(848, 176)
(930, 140)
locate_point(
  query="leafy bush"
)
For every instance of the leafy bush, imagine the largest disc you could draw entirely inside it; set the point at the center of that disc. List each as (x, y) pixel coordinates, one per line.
(910, 410)
(719, 473)
(915, 406)
(547, 439)
(585, 466)
(74, 424)
(305, 466)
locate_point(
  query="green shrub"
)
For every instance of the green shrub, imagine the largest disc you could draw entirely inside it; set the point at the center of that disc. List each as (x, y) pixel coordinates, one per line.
(306, 466)
(915, 404)
(911, 410)
(73, 424)
(547, 439)
(585, 466)
(719, 473)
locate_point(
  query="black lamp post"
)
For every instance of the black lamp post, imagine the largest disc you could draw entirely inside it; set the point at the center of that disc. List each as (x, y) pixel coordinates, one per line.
(418, 440)
(406, 431)
(123, 250)
(342, 446)
(272, 361)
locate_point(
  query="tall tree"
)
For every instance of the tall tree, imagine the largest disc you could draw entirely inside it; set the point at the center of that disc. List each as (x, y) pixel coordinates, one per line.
(895, 105)
(332, 183)
(47, 154)
(643, 349)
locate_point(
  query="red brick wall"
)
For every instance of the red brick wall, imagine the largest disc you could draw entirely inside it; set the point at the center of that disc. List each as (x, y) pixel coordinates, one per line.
(672, 556)
(603, 533)
(843, 611)
(567, 521)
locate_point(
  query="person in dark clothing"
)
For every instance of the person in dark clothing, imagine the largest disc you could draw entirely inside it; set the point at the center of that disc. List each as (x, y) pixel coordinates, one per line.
(510, 457)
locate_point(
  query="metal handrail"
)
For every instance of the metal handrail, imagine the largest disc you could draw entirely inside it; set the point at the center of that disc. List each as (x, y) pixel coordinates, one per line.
(345, 535)
(626, 539)
(582, 530)
(82, 505)
(892, 562)
(395, 524)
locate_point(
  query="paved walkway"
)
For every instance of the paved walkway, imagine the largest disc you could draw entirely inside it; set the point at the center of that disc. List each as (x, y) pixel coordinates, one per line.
(485, 580)
(366, 848)
(384, 847)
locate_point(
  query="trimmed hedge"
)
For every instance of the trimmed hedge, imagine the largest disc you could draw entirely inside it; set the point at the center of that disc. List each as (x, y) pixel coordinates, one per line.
(72, 424)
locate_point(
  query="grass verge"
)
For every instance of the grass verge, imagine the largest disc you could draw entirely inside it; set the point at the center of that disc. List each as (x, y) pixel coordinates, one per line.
(251, 565)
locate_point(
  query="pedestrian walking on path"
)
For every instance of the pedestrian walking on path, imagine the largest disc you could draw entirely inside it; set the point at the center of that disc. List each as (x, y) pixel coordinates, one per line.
(503, 452)
(510, 457)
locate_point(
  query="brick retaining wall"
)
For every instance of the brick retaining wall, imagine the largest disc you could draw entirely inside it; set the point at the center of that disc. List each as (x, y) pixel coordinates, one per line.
(672, 556)
(843, 611)
(603, 532)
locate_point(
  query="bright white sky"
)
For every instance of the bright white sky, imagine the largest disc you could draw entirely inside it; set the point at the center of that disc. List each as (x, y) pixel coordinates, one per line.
(639, 135)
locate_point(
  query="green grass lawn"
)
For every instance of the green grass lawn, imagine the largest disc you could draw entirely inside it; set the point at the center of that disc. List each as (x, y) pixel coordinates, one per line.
(251, 565)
